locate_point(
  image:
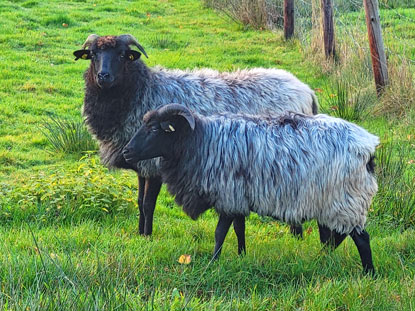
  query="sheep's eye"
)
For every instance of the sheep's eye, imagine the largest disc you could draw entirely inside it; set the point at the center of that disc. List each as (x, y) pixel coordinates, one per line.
(154, 129)
(122, 56)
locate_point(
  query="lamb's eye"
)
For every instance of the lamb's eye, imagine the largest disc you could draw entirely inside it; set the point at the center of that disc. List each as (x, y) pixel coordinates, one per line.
(154, 129)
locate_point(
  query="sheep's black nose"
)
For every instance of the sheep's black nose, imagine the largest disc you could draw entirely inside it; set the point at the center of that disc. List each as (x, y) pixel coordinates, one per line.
(103, 76)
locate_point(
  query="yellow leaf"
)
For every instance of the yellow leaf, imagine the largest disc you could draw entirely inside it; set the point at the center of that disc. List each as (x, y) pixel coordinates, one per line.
(185, 259)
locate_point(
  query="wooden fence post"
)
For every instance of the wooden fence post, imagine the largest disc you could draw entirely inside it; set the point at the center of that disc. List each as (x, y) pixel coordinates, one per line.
(328, 28)
(288, 18)
(380, 69)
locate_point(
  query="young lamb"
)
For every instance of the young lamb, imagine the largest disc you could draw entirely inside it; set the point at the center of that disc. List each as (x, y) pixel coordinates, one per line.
(120, 89)
(292, 167)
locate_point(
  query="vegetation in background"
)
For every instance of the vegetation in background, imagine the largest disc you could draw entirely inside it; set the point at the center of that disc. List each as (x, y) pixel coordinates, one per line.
(353, 64)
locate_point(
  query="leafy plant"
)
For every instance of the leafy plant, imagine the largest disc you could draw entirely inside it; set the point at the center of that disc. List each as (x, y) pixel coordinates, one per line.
(86, 190)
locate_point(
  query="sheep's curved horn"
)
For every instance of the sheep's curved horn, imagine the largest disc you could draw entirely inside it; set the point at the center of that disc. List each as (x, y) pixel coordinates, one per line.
(89, 40)
(129, 39)
(178, 110)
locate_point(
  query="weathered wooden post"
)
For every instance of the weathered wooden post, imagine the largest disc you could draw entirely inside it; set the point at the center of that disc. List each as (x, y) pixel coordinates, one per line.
(377, 51)
(328, 28)
(288, 18)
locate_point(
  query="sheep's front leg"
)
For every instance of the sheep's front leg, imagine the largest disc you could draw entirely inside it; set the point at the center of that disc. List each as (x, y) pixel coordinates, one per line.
(222, 229)
(151, 191)
(239, 227)
(141, 218)
(362, 241)
(296, 230)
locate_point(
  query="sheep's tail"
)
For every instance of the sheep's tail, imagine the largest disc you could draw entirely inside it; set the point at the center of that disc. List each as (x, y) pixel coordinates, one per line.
(314, 104)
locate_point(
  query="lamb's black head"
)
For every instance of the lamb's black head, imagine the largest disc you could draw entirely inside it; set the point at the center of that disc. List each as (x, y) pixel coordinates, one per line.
(161, 131)
(109, 56)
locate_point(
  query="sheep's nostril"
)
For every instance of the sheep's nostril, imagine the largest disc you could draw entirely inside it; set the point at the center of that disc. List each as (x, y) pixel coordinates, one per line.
(103, 76)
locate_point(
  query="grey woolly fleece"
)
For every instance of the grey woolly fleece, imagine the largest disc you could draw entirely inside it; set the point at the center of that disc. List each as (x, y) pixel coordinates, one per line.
(292, 168)
(254, 91)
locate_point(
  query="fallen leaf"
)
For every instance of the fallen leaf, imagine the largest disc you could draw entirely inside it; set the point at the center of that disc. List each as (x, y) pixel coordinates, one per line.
(185, 259)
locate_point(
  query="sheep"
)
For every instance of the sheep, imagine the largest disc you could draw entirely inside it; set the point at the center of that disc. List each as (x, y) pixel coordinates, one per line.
(120, 89)
(291, 167)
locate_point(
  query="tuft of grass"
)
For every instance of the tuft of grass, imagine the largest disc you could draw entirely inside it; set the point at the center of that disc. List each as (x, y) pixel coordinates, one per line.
(58, 20)
(395, 202)
(345, 102)
(67, 136)
(399, 96)
(164, 41)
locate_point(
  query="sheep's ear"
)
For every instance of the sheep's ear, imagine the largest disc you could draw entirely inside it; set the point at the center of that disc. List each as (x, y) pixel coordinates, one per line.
(132, 55)
(83, 54)
(167, 127)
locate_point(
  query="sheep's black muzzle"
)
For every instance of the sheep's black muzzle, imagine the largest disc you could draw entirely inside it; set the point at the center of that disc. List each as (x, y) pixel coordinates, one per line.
(105, 80)
(130, 156)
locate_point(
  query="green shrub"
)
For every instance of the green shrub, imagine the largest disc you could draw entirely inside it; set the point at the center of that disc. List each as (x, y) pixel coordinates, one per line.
(88, 190)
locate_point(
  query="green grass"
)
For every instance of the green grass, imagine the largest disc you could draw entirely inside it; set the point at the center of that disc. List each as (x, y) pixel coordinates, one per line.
(68, 226)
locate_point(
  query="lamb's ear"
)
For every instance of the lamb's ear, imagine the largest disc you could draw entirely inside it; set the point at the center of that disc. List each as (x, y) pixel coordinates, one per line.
(83, 54)
(168, 126)
(189, 118)
(132, 55)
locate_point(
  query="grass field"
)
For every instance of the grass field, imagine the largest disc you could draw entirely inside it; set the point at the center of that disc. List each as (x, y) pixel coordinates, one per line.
(69, 227)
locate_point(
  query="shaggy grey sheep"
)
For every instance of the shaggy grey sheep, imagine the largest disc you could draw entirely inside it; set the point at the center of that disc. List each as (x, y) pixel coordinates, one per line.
(293, 167)
(120, 89)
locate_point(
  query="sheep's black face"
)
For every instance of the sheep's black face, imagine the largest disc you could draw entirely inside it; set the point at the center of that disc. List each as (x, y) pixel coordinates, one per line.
(150, 141)
(163, 134)
(108, 63)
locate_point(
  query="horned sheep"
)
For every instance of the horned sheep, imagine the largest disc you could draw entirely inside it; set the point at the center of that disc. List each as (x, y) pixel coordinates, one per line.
(292, 167)
(120, 89)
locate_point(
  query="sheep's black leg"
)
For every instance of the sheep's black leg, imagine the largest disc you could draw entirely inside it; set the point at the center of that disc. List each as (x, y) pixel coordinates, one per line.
(239, 227)
(296, 230)
(151, 191)
(362, 242)
(330, 237)
(222, 229)
(141, 219)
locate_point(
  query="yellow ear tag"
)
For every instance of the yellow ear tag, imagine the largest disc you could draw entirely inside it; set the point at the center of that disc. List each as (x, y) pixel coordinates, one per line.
(171, 128)
(84, 56)
(131, 57)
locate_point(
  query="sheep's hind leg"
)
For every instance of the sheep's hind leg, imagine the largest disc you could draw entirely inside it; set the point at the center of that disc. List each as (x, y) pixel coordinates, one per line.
(329, 237)
(141, 218)
(151, 191)
(362, 241)
(222, 229)
(239, 227)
